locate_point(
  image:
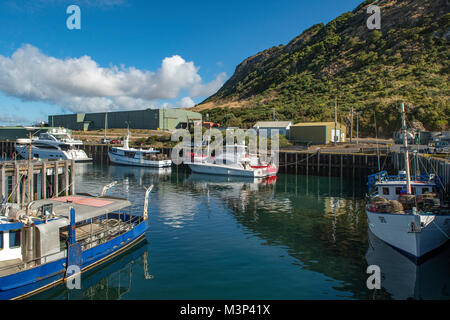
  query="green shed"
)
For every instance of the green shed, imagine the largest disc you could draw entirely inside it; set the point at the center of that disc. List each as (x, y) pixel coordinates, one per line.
(317, 132)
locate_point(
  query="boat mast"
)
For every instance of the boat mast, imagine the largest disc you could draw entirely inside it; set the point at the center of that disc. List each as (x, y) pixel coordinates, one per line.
(125, 143)
(405, 146)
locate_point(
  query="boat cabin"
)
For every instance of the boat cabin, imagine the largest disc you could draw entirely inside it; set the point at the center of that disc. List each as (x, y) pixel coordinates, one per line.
(43, 235)
(392, 187)
(137, 154)
(393, 190)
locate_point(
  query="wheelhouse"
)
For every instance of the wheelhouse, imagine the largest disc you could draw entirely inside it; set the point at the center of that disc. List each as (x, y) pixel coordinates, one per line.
(44, 236)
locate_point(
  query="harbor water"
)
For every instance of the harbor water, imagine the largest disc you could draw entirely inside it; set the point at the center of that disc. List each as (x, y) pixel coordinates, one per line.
(294, 237)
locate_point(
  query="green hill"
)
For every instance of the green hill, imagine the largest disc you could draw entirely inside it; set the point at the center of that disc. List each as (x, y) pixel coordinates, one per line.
(369, 70)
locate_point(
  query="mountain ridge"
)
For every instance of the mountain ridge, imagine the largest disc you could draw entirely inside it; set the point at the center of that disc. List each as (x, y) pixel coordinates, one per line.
(369, 70)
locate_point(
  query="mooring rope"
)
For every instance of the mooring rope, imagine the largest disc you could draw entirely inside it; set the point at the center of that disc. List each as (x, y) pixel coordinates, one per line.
(300, 161)
(443, 232)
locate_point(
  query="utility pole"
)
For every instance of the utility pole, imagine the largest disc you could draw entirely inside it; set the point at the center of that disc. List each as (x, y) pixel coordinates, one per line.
(376, 138)
(106, 122)
(335, 121)
(351, 126)
(357, 127)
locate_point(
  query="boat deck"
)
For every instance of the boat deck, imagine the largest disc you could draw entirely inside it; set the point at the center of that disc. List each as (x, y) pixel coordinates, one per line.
(10, 266)
(90, 234)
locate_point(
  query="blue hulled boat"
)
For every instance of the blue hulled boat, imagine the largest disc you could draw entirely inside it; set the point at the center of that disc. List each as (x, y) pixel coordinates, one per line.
(51, 241)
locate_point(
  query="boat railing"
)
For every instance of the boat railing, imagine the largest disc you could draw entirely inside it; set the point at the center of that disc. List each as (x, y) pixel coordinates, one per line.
(28, 264)
(384, 177)
(421, 178)
(108, 229)
(92, 240)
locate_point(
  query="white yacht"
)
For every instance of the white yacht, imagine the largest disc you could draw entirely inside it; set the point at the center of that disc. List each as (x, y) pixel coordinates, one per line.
(236, 163)
(55, 144)
(408, 212)
(137, 157)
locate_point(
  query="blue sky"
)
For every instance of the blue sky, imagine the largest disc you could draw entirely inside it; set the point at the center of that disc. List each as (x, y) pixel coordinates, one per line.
(136, 54)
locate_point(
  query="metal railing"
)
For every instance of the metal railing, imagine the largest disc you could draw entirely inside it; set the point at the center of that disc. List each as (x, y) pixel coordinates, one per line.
(107, 234)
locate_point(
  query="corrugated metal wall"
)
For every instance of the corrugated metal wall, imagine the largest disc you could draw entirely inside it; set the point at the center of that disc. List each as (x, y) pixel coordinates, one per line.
(164, 119)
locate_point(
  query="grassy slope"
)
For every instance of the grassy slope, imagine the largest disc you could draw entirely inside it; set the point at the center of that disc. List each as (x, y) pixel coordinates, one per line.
(371, 71)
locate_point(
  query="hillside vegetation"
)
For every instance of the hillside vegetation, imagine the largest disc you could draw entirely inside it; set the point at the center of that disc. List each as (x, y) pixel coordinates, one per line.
(369, 70)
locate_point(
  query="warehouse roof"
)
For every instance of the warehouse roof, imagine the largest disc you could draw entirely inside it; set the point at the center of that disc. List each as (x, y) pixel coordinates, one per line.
(273, 124)
(313, 124)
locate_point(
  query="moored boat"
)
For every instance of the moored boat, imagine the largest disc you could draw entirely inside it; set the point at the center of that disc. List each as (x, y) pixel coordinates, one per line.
(408, 212)
(43, 243)
(56, 144)
(234, 163)
(138, 157)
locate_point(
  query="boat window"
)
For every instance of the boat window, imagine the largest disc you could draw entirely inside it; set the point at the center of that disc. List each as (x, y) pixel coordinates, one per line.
(413, 190)
(45, 146)
(36, 155)
(130, 154)
(14, 238)
(386, 191)
(398, 190)
(425, 190)
(1, 240)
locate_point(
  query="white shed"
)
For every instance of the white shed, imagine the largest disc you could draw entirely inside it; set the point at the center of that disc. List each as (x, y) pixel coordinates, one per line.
(283, 127)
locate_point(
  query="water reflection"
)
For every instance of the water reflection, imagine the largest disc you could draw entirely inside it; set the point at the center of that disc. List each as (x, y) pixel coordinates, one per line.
(403, 279)
(294, 237)
(110, 281)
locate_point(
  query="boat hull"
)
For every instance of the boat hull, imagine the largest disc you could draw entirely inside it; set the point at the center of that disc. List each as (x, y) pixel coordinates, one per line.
(117, 159)
(31, 281)
(79, 156)
(402, 231)
(207, 168)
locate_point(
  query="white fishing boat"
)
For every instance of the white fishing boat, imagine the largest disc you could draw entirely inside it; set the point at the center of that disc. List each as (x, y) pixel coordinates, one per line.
(137, 157)
(55, 144)
(235, 163)
(407, 212)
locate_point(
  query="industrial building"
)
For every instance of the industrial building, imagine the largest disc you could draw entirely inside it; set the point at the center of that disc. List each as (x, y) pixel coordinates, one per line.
(317, 132)
(152, 119)
(14, 133)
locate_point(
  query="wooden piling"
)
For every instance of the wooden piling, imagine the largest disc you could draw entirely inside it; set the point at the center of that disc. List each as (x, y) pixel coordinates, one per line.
(66, 178)
(44, 180)
(30, 183)
(17, 184)
(3, 182)
(72, 179)
(56, 180)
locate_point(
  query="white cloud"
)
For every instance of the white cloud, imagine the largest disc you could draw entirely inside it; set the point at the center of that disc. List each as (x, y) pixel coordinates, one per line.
(81, 85)
(186, 102)
(199, 90)
(12, 119)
